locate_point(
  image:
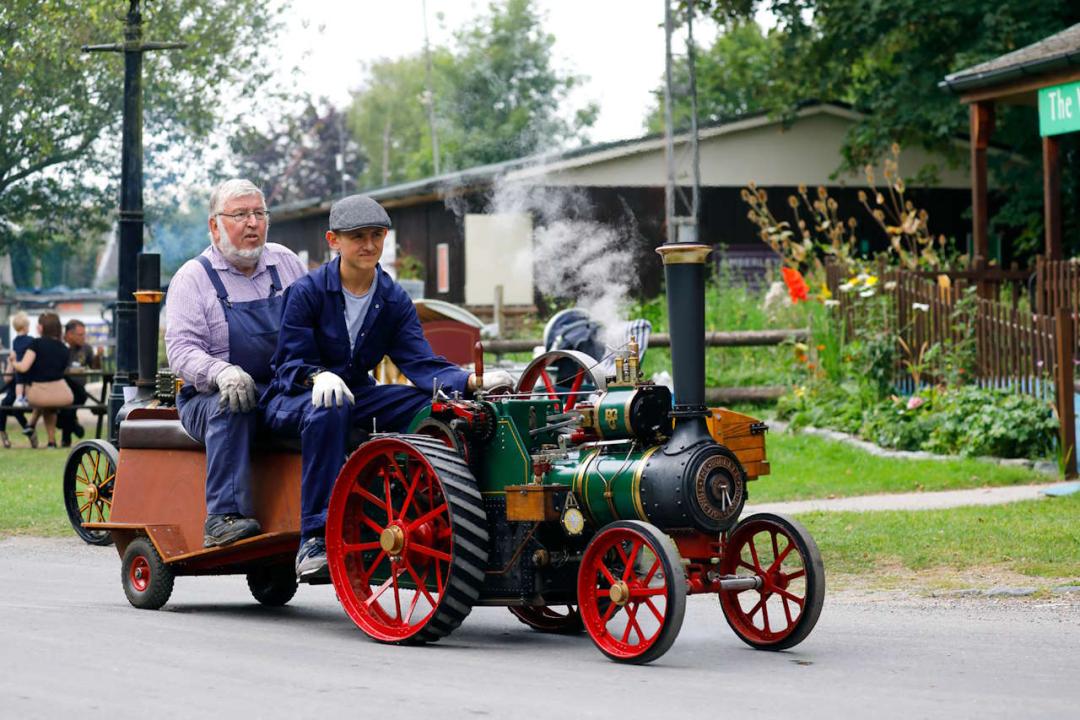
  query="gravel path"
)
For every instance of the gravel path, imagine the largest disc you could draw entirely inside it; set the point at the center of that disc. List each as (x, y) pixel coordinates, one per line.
(913, 501)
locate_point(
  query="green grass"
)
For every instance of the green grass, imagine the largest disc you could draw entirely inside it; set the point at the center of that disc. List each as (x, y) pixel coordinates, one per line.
(1038, 538)
(806, 467)
(31, 498)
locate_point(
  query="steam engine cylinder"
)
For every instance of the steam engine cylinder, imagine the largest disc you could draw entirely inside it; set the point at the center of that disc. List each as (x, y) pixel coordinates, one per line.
(703, 488)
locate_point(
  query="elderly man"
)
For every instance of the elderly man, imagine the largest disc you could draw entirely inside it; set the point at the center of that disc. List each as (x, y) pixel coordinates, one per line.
(81, 358)
(338, 324)
(222, 316)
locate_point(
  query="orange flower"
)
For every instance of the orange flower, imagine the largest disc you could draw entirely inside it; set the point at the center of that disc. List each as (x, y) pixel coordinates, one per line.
(795, 283)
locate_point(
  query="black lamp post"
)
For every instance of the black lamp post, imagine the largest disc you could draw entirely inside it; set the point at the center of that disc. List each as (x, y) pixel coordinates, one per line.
(131, 203)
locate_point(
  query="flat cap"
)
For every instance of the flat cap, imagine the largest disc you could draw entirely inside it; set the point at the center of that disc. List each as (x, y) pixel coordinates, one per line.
(357, 211)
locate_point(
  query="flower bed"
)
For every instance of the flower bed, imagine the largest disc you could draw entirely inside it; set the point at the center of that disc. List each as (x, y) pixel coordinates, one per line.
(966, 420)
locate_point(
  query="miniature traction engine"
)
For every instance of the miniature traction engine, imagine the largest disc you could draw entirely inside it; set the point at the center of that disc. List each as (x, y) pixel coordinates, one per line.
(580, 502)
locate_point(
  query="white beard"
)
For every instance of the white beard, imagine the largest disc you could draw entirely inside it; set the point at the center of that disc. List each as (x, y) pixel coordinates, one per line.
(239, 258)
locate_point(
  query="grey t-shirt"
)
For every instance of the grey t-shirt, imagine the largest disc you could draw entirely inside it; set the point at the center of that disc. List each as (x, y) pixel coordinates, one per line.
(356, 308)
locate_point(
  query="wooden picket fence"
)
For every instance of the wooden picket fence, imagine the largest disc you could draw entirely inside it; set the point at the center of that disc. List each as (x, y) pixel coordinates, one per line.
(1024, 351)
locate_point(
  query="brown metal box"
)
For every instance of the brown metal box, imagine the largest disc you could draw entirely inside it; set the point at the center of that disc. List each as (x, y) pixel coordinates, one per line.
(533, 503)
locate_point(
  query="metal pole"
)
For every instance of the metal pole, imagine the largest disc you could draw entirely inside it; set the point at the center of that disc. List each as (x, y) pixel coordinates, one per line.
(131, 206)
(695, 203)
(669, 142)
(429, 93)
(131, 215)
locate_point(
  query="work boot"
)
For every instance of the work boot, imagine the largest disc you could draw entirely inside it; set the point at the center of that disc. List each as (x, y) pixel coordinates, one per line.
(225, 529)
(311, 564)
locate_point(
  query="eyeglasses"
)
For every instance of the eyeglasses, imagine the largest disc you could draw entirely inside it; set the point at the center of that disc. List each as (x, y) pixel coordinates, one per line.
(240, 217)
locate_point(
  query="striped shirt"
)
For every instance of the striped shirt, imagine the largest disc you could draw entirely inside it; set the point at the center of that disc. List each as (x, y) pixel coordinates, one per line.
(196, 333)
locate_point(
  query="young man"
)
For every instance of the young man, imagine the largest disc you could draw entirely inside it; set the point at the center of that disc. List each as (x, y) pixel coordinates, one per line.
(338, 324)
(222, 316)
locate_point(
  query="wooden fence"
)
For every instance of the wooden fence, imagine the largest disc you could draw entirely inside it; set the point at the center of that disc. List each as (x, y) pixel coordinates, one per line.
(942, 329)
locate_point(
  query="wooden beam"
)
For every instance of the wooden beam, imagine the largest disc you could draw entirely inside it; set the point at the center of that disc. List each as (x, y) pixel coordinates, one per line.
(982, 126)
(1051, 157)
(1064, 389)
(1021, 85)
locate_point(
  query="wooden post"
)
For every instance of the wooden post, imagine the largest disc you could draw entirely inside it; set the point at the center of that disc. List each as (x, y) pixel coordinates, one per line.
(982, 126)
(497, 311)
(1064, 389)
(1052, 197)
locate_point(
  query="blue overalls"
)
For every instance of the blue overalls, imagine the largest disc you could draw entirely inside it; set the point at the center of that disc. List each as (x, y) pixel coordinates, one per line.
(253, 331)
(314, 336)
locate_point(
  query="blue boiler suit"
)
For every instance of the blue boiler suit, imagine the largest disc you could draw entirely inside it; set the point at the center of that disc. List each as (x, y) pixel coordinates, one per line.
(314, 337)
(228, 436)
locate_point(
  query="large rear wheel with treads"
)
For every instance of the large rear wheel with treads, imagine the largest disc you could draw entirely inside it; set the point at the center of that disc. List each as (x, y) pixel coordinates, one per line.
(782, 611)
(406, 539)
(632, 591)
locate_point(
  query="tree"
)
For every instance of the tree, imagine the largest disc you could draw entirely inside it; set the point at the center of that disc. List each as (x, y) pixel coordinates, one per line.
(495, 94)
(733, 78)
(60, 109)
(298, 158)
(887, 58)
(389, 119)
(507, 97)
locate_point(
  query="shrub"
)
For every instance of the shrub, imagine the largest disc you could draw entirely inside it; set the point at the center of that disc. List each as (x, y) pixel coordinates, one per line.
(963, 421)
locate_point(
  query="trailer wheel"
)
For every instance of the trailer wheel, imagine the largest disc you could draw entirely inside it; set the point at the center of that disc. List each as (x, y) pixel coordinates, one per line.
(780, 551)
(406, 539)
(560, 620)
(89, 479)
(632, 591)
(273, 585)
(147, 580)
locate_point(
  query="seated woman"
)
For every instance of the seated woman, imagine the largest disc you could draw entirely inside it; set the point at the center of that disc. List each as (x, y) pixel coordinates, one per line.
(44, 363)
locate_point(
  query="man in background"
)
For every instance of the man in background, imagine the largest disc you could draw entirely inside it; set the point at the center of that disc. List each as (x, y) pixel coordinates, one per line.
(81, 357)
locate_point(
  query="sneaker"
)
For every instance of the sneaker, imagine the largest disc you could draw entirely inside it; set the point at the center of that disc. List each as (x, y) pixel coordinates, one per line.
(225, 529)
(31, 434)
(21, 402)
(311, 564)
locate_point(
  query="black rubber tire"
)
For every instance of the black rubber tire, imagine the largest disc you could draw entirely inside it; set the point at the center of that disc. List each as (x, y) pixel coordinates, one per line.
(91, 461)
(814, 597)
(145, 593)
(546, 620)
(469, 536)
(675, 596)
(273, 585)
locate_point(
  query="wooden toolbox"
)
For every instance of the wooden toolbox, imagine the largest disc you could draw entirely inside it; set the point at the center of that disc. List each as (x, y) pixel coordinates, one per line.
(744, 436)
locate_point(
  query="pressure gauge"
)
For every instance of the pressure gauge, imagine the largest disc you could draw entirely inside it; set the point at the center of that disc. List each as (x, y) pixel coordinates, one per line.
(573, 521)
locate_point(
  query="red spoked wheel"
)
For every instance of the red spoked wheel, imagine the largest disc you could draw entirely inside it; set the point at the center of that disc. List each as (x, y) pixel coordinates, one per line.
(406, 539)
(781, 552)
(565, 375)
(560, 620)
(632, 591)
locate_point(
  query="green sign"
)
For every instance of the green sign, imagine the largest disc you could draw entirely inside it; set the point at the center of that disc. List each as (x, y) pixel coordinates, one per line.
(1059, 109)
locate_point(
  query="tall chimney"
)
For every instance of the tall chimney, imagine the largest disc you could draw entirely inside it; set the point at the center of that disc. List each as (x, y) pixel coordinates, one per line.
(684, 273)
(148, 299)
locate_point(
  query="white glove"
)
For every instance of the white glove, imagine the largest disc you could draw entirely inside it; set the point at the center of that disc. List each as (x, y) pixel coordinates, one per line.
(330, 390)
(237, 389)
(493, 378)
